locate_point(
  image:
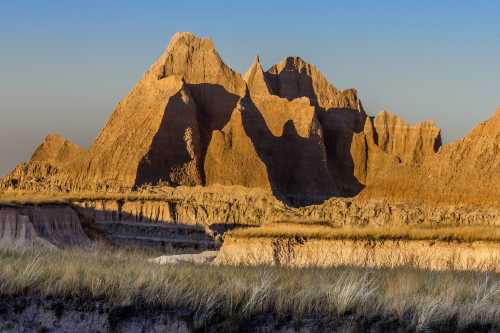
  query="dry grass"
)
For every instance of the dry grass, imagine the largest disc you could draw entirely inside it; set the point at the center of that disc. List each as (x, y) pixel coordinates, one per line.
(322, 232)
(19, 197)
(418, 298)
(40, 198)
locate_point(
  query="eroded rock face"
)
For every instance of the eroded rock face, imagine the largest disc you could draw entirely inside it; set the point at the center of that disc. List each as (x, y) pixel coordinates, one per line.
(293, 78)
(221, 205)
(191, 120)
(152, 136)
(463, 172)
(423, 254)
(56, 150)
(408, 143)
(256, 80)
(34, 227)
(232, 157)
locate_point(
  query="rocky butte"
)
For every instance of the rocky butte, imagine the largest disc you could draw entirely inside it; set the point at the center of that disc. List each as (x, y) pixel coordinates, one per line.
(192, 120)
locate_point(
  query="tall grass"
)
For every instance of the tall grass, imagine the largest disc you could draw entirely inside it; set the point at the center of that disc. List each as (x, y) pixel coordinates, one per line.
(418, 298)
(323, 232)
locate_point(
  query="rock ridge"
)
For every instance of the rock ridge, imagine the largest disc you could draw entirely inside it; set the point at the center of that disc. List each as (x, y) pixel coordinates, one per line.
(193, 121)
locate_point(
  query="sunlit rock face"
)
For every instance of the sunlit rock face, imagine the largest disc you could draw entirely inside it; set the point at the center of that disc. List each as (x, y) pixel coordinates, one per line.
(193, 121)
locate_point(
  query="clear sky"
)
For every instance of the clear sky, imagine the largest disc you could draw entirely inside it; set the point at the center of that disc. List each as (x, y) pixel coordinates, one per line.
(65, 64)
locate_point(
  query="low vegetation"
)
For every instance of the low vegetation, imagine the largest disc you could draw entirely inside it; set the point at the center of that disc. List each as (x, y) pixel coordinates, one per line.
(419, 299)
(24, 198)
(324, 232)
(146, 193)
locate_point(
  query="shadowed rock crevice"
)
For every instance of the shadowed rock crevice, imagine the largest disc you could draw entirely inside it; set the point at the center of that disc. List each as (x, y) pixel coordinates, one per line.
(174, 154)
(179, 148)
(215, 106)
(296, 165)
(340, 114)
(290, 79)
(346, 148)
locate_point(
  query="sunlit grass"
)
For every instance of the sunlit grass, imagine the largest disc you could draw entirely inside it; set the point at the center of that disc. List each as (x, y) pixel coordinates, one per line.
(323, 232)
(420, 299)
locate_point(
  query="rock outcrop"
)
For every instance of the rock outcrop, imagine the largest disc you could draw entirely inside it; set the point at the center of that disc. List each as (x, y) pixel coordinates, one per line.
(191, 120)
(56, 150)
(256, 80)
(423, 254)
(45, 226)
(408, 143)
(463, 172)
(218, 206)
(293, 78)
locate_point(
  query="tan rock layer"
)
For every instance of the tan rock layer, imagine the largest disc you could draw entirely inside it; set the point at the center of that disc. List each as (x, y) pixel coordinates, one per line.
(434, 255)
(235, 205)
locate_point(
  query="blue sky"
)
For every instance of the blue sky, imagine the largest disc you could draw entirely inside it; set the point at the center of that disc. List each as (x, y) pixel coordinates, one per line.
(65, 64)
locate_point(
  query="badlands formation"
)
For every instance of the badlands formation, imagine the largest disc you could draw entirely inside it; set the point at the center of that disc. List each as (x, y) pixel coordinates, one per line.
(268, 145)
(197, 157)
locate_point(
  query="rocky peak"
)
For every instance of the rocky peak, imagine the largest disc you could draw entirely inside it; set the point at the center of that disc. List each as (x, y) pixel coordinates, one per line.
(409, 143)
(255, 79)
(192, 120)
(198, 62)
(56, 149)
(293, 77)
(488, 129)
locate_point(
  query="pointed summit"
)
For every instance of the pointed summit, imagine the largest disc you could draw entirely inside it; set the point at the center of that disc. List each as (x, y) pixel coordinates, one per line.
(255, 79)
(489, 128)
(56, 149)
(198, 62)
(253, 67)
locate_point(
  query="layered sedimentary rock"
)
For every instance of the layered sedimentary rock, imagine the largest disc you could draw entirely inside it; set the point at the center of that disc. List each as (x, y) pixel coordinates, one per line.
(463, 172)
(46, 226)
(232, 157)
(191, 120)
(225, 206)
(424, 254)
(408, 143)
(33, 176)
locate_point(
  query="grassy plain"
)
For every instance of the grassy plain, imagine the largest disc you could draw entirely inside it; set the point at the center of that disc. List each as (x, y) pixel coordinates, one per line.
(420, 299)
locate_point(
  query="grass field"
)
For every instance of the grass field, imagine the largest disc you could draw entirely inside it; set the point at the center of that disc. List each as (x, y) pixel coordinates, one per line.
(323, 232)
(419, 298)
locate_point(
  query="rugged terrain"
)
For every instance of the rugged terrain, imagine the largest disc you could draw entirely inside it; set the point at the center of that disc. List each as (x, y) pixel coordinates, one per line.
(191, 120)
(100, 290)
(197, 156)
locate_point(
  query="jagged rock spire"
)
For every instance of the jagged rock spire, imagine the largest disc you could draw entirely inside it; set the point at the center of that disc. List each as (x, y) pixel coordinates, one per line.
(255, 79)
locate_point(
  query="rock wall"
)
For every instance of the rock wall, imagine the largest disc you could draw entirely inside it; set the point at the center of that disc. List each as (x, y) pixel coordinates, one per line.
(374, 212)
(434, 255)
(236, 205)
(41, 226)
(461, 173)
(174, 211)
